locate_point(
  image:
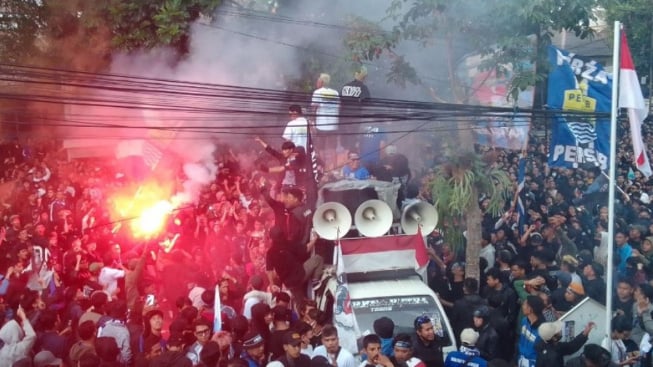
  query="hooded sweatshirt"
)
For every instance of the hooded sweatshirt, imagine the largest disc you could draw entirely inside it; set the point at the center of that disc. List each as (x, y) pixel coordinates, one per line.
(18, 342)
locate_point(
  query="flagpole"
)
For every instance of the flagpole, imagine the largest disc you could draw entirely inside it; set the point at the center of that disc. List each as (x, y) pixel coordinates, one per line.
(614, 114)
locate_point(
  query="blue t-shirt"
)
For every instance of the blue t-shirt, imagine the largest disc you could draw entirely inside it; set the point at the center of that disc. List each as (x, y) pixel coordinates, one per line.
(360, 174)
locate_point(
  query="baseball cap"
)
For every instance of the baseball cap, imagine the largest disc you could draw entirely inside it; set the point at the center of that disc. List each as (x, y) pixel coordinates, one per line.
(252, 339)
(354, 156)
(482, 312)
(536, 238)
(549, 329)
(46, 358)
(469, 336)
(576, 288)
(292, 338)
(175, 340)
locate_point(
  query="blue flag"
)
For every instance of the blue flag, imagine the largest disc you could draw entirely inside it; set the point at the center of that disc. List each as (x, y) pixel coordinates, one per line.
(578, 85)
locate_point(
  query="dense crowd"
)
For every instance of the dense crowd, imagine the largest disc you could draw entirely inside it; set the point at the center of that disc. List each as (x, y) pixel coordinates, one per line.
(77, 289)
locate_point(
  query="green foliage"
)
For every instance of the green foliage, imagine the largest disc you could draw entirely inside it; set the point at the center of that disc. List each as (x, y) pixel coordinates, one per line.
(20, 21)
(144, 25)
(31, 29)
(637, 18)
(506, 32)
(456, 181)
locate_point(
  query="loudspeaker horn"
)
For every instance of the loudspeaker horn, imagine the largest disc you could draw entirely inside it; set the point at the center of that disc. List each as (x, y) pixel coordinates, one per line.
(332, 221)
(419, 214)
(373, 218)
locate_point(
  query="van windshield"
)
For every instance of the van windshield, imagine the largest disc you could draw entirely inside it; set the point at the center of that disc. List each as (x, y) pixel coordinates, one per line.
(403, 310)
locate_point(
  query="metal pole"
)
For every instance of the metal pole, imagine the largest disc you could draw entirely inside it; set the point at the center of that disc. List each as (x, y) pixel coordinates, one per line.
(613, 173)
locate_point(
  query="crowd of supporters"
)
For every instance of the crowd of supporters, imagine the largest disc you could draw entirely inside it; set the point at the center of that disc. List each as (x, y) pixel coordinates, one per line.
(77, 290)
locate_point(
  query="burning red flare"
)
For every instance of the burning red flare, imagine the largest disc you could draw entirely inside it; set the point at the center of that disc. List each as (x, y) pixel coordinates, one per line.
(146, 212)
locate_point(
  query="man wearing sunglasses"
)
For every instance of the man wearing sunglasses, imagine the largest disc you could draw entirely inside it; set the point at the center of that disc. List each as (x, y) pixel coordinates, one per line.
(202, 336)
(426, 345)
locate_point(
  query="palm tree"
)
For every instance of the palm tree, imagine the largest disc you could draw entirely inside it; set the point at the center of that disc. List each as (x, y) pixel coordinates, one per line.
(456, 190)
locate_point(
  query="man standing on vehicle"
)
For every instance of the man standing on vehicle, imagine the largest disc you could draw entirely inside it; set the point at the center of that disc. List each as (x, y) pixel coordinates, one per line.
(427, 346)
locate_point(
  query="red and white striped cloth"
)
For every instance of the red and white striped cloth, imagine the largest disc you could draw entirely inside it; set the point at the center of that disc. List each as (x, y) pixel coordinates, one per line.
(384, 253)
(631, 98)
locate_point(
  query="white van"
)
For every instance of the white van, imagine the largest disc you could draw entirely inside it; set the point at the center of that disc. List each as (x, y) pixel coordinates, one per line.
(402, 300)
(384, 278)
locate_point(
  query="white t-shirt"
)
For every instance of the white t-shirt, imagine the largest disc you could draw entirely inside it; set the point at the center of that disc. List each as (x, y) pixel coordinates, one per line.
(247, 308)
(617, 349)
(297, 132)
(109, 279)
(344, 359)
(195, 296)
(327, 102)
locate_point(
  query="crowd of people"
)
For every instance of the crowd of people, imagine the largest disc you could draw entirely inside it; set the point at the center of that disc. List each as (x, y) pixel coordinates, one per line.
(77, 289)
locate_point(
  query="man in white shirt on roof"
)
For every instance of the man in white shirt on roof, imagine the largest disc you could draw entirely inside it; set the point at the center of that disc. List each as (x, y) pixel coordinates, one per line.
(326, 106)
(297, 129)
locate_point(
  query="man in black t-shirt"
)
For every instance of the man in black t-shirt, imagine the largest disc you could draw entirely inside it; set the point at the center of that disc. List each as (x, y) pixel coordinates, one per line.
(292, 347)
(352, 97)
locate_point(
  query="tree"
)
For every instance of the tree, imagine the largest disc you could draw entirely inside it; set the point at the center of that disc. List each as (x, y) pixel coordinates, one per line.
(20, 21)
(85, 33)
(637, 18)
(505, 33)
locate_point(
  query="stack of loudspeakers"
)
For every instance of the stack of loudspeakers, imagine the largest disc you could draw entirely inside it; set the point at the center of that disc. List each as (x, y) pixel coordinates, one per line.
(373, 218)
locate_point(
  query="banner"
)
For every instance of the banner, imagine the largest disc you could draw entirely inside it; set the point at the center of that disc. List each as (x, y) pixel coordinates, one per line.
(578, 85)
(343, 313)
(486, 88)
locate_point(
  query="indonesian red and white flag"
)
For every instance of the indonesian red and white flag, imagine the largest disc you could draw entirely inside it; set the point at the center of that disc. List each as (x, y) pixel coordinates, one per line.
(366, 254)
(631, 98)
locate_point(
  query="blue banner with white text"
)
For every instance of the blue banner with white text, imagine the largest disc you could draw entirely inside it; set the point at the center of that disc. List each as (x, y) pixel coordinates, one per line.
(577, 84)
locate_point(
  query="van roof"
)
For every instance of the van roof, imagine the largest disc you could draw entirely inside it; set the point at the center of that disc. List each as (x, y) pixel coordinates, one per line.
(384, 288)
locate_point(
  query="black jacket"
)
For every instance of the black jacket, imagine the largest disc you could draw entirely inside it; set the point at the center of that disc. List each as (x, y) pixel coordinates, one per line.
(552, 354)
(302, 361)
(462, 313)
(488, 342)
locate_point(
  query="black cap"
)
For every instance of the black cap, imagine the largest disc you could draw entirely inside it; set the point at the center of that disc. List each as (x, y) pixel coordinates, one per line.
(292, 337)
(175, 340)
(482, 312)
(252, 340)
(536, 239)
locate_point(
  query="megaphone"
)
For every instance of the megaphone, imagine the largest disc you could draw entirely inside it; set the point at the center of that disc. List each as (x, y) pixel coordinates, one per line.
(373, 218)
(332, 221)
(419, 214)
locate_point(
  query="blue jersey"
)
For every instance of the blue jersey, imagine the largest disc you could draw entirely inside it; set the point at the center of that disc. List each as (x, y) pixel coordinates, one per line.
(528, 337)
(460, 359)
